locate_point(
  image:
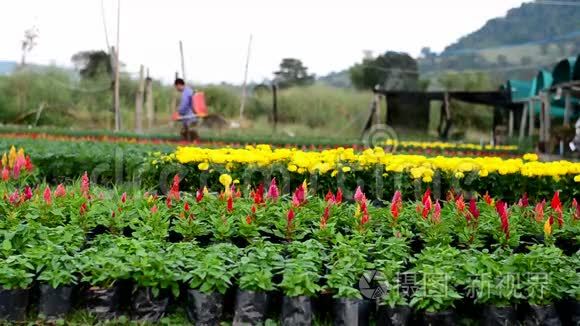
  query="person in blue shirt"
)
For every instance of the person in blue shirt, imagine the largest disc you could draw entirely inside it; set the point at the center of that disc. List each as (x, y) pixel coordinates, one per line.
(185, 110)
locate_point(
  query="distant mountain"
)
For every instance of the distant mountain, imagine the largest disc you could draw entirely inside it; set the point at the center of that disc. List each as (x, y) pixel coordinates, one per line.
(528, 38)
(6, 67)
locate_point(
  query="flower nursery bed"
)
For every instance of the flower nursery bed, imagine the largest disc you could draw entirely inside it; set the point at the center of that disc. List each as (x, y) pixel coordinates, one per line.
(256, 254)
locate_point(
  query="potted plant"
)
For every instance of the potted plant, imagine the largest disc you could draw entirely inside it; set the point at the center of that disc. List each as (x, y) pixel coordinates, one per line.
(57, 273)
(257, 267)
(153, 272)
(300, 281)
(347, 265)
(437, 273)
(15, 280)
(208, 277)
(102, 267)
(544, 282)
(492, 278)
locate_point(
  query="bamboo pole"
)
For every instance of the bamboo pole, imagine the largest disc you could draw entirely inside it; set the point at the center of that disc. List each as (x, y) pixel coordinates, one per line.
(523, 121)
(149, 101)
(139, 101)
(245, 84)
(117, 68)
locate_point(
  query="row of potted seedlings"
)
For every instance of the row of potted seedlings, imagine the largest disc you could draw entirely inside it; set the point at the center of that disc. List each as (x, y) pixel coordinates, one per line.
(199, 247)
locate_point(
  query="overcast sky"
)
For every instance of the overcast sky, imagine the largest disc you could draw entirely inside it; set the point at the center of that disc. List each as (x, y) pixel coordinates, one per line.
(326, 35)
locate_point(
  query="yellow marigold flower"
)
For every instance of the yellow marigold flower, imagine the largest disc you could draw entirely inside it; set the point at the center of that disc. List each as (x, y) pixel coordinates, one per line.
(459, 175)
(483, 173)
(203, 166)
(427, 179)
(292, 168)
(236, 181)
(577, 178)
(334, 173)
(301, 170)
(225, 180)
(532, 157)
(346, 169)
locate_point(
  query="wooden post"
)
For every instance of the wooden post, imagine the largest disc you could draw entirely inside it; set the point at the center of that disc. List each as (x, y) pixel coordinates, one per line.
(511, 123)
(568, 108)
(182, 61)
(116, 104)
(378, 112)
(117, 101)
(149, 101)
(139, 101)
(523, 121)
(532, 111)
(542, 120)
(548, 116)
(244, 85)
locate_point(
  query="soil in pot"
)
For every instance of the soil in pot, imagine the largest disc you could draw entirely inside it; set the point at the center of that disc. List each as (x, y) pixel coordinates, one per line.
(204, 309)
(397, 316)
(499, 316)
(13, 304)
(103, 302)
(54, 303)
(250, 307)
(145, 306)
(351, 312)
(542, 316)
(442, 318)
(296, 311)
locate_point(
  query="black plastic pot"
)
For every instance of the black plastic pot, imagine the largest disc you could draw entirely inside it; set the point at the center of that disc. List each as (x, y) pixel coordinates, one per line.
(569, 246)
(250, 307)
(204, 309)
(351, 312)
(13, 304)
(103, 302)
(442, 318)
(499, 316)
(542, 316)
(147, 307)
(397, 316)
(574, 312)
(54, 303)
(296, 311)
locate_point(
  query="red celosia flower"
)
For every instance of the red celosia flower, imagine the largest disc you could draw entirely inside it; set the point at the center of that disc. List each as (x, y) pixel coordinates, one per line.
(426, 197)
(27, 193)
(248, 219)
(47, 196)
(60, 191)
(199, 195)
(501, 209)
(124, 197)
(83, 209)
(395, 211)
(460, 204)
(560, 216)
(273, 192)
(576, 208)
(230, 207)
(338, 197)
(473, 208)
(364, 220)
(168, 202)
(450, 195)
(154, 209)
(5, 174)
(14, 198)
(539, 211)
(556, 201)
(359, 196)
(298, 198)
(290, 216)
(85, 185)
(259, 194)
(253, 209)
(186, 207)
(174, 191)
(487, 198)
(325, 216)
(524, 202)
(329, 198)
(437, 213)
(28, 164)
(16, 171)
